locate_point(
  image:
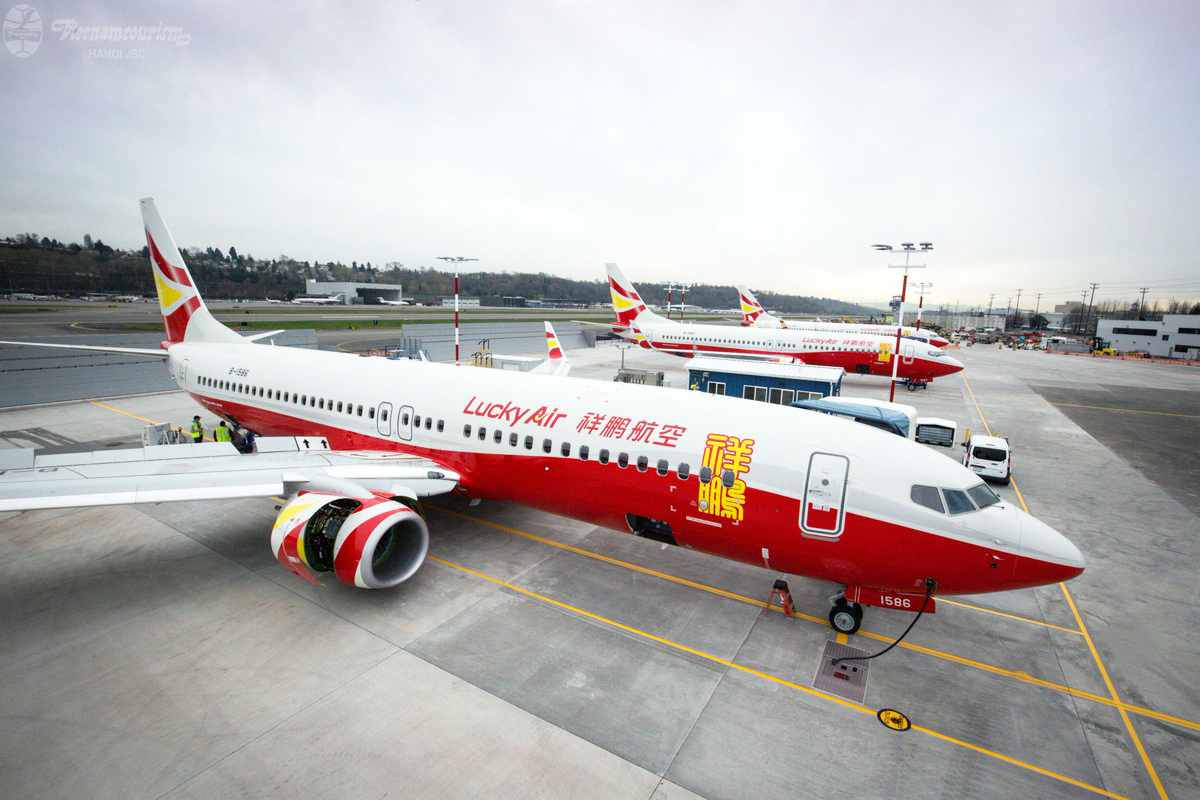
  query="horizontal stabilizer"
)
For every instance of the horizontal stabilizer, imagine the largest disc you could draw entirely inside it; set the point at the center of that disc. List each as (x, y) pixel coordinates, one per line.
(136, 351)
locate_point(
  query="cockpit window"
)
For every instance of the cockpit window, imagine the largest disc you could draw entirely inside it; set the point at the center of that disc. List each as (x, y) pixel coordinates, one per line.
(957, 501)
(927, 496)
(983, 495)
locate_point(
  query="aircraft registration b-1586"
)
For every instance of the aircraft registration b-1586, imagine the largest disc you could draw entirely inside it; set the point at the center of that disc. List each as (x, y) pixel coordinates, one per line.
(863, 354)
(882, 517)
(755, 316)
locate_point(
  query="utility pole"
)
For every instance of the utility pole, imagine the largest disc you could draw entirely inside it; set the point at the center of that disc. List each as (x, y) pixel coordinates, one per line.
(988, 322)
(1088, 318)
(1019, 305)
(669, 287)
(909, 248)
(1038, 306)
(1142, 304)
(1079, 316)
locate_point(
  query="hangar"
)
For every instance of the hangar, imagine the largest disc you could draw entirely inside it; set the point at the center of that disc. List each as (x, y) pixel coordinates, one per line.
(352, 293)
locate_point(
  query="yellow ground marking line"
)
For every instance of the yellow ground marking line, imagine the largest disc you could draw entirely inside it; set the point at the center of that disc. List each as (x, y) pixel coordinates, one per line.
(1126, 410)
(126, 413)
(1018, 675)
(1112, 690)
(769, 677)
(1030, 620)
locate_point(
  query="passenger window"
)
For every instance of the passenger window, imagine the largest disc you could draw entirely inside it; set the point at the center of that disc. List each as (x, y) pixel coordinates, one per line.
(512, 439)
(622, 460)
(727, 478)
(603, 456)
(321, 403)
(303, 399)
(384, 415)
(957, 501)
(404, 418)
(643, 463)
(566, 448)
(528, 442)
(663, 466)
(705, 475)
(927, 496)
(498, 436)
(482, 433)
(467, 431)
(583, 452)
(684, 470)
(547, 445)
(428, 423)
(417, 421)
(441, 425)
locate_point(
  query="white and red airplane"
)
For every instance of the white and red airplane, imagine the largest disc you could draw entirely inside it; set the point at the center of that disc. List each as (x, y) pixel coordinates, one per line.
(884, 518)
(755, 316)
(860, 353)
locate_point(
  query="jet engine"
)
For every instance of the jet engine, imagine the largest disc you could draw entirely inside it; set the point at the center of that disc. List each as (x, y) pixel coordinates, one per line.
(373, 542)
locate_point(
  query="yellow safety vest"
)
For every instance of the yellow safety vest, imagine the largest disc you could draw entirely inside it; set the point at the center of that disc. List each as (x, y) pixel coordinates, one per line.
(197, 430)
(221, 434)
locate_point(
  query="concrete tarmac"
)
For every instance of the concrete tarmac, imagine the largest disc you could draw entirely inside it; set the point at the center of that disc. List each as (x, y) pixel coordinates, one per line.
(159, 651)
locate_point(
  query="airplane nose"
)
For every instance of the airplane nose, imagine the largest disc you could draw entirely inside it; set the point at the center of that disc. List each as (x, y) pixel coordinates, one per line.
(950, 364)
(1045, 555)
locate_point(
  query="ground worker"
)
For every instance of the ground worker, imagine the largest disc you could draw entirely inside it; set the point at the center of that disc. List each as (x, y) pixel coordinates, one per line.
(197, 430)
(221, 433)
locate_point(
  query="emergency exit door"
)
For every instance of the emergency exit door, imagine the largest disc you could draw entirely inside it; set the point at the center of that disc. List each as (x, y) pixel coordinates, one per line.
(824, 509)
(908, 354)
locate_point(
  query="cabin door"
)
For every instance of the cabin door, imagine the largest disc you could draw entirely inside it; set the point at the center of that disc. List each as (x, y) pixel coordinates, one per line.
(824, 509)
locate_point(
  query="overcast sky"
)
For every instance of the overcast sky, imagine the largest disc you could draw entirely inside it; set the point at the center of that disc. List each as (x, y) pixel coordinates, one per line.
(1039, 145)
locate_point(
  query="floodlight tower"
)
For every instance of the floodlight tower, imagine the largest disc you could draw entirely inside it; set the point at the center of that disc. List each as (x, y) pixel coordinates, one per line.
(909, 248)
(457, 260)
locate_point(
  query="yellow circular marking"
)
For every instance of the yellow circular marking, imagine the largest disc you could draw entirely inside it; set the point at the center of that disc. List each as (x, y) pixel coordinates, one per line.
(893, 719)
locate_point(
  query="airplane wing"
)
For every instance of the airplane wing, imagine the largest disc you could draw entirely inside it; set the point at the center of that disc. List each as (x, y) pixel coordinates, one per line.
(208, 471)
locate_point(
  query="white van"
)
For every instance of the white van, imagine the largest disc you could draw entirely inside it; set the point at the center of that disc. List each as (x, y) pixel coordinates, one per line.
(989, 457)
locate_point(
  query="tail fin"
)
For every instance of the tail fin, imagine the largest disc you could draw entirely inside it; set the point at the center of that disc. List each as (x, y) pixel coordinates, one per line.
(185, 316)
(557, 363)
(626, 301)
(753, 314)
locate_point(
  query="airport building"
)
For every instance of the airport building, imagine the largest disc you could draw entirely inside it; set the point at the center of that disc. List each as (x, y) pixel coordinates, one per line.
(354, 293)
(764, 381)
(1173, 336)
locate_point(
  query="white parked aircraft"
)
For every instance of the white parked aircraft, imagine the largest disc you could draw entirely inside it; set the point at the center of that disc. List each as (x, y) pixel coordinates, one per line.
(326, 300)
(394, 302)
(795, 492)
(860, 353)
(754, 315)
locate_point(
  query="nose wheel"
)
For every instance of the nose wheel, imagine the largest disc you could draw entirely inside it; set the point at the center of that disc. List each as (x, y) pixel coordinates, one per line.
(845, 617)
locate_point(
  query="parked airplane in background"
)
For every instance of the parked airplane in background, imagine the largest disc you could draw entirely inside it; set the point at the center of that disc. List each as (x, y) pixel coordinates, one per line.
(394, 302)
(325, 300)
(792, 491)
(269, 300)
(863, 354)
(754, 315)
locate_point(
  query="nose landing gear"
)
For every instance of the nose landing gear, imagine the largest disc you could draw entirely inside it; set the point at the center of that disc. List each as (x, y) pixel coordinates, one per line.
(845, 617)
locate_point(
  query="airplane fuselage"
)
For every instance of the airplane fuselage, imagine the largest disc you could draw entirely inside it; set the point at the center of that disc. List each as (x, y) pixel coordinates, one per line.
(791, 490)
(856, 353)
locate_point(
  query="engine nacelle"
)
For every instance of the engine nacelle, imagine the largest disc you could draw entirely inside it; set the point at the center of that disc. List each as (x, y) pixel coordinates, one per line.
(372, 543)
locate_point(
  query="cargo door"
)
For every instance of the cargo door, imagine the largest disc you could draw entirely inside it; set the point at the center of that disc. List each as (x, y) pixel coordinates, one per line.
(824, 509)
(183, 373)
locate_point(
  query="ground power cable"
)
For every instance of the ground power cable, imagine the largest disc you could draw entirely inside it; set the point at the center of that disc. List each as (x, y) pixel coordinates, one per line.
(930, 583)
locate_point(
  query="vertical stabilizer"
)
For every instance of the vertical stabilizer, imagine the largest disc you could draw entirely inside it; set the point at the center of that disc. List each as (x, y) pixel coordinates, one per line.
(557, 362)
(627, 303)
(753, 314)
(185, 316)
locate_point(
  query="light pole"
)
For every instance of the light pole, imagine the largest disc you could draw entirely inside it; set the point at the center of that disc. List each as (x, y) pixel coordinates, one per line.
(909, 248)
(457, 260)
(921, 287)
